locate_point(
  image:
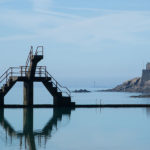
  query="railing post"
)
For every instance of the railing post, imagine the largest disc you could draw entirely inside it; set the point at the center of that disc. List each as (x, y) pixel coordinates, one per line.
(56, 84)
(40, 71)
(45, 73)
(21, 71)
(31, 51)
(11, 72)
(6, 76)
(25, 70)
(30, 55)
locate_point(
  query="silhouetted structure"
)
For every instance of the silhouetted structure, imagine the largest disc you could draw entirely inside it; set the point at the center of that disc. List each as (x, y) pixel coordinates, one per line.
(32, 73)
(145, 74)
(28, 134)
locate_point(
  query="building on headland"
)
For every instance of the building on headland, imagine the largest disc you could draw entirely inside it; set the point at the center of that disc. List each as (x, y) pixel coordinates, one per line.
(138, 84)
(145, 74)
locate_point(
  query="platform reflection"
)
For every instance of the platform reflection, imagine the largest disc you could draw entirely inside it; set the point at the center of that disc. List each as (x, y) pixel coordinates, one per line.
(28, 135)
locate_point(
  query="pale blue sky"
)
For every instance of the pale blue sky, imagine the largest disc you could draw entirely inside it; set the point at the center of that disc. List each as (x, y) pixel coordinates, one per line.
(107, 41)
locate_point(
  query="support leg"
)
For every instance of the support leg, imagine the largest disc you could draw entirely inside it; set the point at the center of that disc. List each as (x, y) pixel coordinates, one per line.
(1, 100)
(28, 128)
(1, 115)
(28, 120)
(28, 93)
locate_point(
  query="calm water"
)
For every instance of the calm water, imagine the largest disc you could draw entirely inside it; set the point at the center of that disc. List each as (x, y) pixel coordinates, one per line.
(59, 129)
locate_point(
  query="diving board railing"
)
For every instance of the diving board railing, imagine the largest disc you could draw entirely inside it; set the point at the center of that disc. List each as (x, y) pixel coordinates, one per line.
(41, 71)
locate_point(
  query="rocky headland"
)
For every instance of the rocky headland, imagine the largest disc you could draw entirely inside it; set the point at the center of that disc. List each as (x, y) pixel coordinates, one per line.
(138, 84)
(133, 85)
(81, 91)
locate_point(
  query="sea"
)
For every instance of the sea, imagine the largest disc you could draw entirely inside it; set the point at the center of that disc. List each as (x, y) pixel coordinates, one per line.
(75, 129)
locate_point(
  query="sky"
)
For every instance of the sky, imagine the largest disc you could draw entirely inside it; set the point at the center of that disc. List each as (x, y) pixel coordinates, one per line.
(101, 41)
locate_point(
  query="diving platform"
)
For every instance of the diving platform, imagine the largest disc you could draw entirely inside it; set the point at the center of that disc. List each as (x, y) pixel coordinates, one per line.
(31, 73)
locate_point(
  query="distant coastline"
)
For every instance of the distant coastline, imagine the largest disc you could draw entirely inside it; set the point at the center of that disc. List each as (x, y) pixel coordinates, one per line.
(81, 91)
(138, 84)
(141, 96)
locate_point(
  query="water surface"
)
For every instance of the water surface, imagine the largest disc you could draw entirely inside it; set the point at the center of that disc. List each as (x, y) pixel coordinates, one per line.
(76, 129)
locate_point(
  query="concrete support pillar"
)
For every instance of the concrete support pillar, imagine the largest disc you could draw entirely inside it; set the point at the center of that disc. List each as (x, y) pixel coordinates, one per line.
(28, 93)
(1, 115)
(28, 120)
(1, 100)
(28, 127)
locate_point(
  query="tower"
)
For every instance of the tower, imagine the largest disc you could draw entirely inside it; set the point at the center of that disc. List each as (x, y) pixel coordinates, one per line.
(145, 74)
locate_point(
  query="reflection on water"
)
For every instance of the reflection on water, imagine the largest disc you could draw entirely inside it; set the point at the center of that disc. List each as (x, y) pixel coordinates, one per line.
(88, 129)
(119, 129)
(148, 111)
(28, 135)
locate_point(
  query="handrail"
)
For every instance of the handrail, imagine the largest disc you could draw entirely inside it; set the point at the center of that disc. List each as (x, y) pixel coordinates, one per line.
(4, 73)
(8, 72)
(57, 84)
(41, 71)
(29, 57)
(39, 51)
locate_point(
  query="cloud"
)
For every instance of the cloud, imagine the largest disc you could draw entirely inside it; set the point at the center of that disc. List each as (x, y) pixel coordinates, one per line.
(112, 26)
(90, 9)
(42, 4)
(121, 27)
(60, 14)
(4, 1)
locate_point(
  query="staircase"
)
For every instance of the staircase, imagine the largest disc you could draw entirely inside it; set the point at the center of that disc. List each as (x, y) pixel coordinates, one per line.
(32, 61)
(32, 73)
(6, 87)
(61, 97)
(7, 81)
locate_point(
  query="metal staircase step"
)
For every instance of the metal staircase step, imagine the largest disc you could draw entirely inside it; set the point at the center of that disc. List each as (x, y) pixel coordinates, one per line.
(50, 83)
(6, 87)
(59, 93)
(9, 83)
(67, 98)
(14, 78)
